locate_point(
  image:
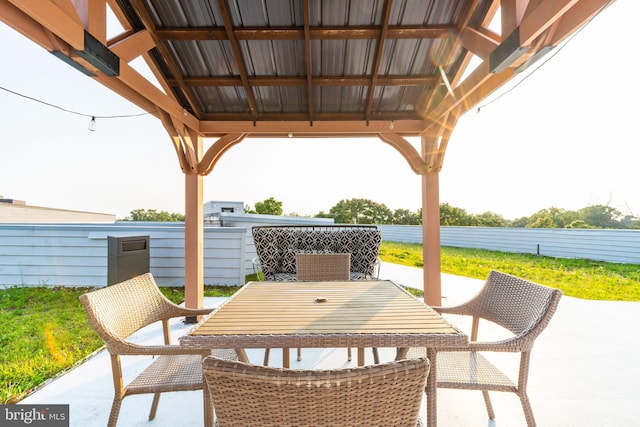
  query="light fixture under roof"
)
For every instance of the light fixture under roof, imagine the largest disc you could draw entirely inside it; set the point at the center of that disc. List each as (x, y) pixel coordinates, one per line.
(536, 56)
(96, 54)
(508, 52)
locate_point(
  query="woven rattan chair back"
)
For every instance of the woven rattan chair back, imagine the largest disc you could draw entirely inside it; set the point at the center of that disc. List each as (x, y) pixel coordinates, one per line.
(116, 312)
(389, 394)
(520, 306)
(325, 267)
(313, 267)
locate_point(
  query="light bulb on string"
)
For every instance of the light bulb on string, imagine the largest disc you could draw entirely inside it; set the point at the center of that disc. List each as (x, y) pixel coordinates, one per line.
(92, 124)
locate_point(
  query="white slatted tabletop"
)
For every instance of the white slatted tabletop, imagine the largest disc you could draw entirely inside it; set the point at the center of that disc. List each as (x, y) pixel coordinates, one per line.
(351, 314)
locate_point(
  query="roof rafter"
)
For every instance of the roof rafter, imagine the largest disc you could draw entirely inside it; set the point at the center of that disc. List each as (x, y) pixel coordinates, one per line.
(315, 33)
(146, 19)
(378, 56)
(388, 80)
(307, 58)
(440, 89)
(237, 54)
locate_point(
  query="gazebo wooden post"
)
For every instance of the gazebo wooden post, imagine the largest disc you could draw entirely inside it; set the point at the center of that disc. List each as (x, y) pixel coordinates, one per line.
(431, 238)
(194, 240)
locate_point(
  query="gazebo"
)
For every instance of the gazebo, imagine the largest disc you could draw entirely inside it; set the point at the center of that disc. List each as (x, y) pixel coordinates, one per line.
(236, 69)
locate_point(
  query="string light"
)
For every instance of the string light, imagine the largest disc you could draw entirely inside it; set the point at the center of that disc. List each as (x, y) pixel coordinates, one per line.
(92, 122)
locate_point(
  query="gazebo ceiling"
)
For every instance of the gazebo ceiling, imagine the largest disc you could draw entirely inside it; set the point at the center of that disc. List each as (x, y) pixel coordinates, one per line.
(306, 61)
(309, 68)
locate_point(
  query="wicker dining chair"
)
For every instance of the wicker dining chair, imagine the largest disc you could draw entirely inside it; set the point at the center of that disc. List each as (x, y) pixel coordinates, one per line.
(323, 266)
(311, 267)
(521, 307)
(116, 312)
(388, 394)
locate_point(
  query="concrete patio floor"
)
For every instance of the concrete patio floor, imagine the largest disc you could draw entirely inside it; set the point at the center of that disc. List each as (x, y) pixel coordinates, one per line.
(584, 371)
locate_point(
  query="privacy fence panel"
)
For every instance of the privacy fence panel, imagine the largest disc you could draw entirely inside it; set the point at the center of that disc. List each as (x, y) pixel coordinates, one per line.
(602, 245)
(76, 254)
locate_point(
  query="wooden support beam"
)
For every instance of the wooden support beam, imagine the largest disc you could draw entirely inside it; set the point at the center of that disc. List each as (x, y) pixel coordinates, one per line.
(55, 19)
(216, 151)
(194, 242)
(132, 45)
(404, 147)
(431, 238)
(167, 122)
(93, 15)
(173, 67)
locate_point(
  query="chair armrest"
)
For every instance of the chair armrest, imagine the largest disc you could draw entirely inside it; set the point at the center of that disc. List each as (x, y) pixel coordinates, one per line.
(173, 310)
(194, 311)
(131, 349)
(257, 267)
(462, 309)
(509, 345)
(376, 269)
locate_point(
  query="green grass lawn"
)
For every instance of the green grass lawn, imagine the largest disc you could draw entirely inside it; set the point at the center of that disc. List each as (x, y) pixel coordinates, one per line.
(578, 278)
(44, 331)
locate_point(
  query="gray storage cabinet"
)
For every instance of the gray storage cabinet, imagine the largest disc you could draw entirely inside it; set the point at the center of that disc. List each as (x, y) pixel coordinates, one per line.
(128, 256)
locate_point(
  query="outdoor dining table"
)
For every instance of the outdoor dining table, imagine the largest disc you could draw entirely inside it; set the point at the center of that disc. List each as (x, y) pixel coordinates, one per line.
(361, 314)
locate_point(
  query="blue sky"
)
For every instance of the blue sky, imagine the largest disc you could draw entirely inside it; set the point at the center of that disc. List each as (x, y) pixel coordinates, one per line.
(566, 137)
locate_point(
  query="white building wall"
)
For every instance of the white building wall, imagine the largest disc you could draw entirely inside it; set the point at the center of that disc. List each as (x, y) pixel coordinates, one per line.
(20, 213)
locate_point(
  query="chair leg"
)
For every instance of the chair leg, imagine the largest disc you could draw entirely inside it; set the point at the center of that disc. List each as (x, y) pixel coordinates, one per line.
(526, 407)
(376, 356)
(487, 402)
(208, 405)
(154, 405)
(115, 411)
(299, 354)
(266, 356)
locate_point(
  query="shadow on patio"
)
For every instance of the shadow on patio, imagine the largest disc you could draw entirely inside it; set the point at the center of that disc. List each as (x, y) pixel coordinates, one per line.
(583, 373)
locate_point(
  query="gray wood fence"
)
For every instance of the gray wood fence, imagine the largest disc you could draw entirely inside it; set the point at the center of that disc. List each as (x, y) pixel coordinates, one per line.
(76, 254)
(602, 245)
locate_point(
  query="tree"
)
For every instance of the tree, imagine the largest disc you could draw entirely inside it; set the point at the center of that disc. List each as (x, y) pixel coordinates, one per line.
(360, 211)
(406, 217)
(153, 215)
(601, 216)
(452, 216)
(519, 222)
(551, 218)
(578, 223)
(269, 206)
(489, 219)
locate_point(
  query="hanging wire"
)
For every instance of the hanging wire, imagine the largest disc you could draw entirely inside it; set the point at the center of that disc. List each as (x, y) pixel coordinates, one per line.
(92, 116)
(557, 51)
